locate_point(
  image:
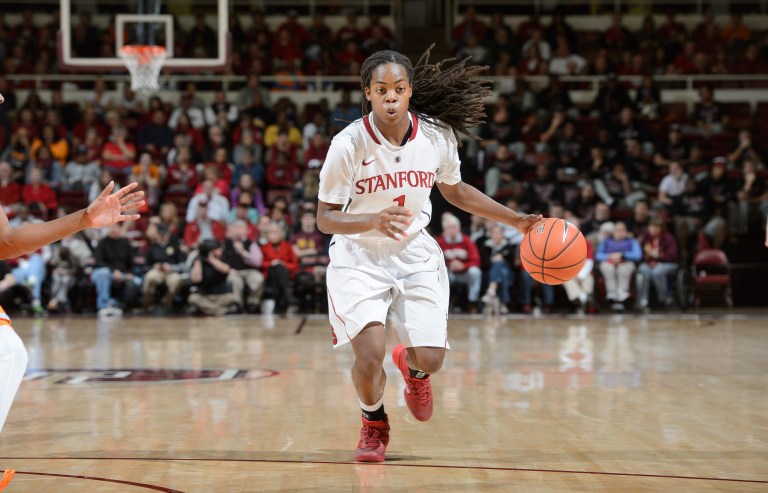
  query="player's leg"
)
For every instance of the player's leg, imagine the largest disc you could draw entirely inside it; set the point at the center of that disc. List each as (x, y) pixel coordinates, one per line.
(358, 302)
(13, 364)
(608, 270)
(624, 272)
(237, 281)
(152, 279)
(420, 311)
(368, 371)
(102, 279)
(369, 380)
(646, 273)
(173, 282)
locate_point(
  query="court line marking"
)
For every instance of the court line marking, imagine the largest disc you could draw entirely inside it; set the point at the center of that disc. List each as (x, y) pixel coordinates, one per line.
(106, 480)
(390, 464)
(302, 323)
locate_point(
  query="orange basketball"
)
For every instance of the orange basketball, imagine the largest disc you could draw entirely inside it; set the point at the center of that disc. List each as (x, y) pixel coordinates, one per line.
(553, 251)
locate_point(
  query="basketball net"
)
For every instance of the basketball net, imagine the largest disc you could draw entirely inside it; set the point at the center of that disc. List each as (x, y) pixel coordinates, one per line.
(144, 62)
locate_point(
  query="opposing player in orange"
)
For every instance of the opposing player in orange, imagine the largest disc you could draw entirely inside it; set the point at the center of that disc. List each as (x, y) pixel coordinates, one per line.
(107, 209)
(374, 197)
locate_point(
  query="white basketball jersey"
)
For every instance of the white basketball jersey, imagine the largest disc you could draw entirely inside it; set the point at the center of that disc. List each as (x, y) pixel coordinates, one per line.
(367, 174)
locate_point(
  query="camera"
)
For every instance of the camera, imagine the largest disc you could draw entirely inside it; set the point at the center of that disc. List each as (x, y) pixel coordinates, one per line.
(206, 247)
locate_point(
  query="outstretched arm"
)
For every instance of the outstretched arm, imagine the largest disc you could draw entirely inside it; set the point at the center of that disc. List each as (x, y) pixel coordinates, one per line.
(472, 200)
(107, 209)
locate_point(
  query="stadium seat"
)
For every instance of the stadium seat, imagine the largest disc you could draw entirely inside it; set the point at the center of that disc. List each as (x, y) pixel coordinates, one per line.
(712, 273)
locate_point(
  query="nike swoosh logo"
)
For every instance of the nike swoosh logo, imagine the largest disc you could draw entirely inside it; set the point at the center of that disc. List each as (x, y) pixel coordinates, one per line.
(366, 163)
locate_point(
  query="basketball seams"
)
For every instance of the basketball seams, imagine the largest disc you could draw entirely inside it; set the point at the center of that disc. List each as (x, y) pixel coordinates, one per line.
(555, 277)
(556, 268)
(567, 246)
(546, 241)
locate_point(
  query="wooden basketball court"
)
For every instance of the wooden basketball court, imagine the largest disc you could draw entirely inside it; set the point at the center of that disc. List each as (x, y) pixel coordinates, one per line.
(657, 403)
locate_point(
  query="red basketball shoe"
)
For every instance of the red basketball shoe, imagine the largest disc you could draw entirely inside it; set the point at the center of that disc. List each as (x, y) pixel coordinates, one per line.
(374, 438)
(418, 391)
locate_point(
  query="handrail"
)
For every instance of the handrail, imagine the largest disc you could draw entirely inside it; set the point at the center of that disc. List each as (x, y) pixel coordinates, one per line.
(321, 80)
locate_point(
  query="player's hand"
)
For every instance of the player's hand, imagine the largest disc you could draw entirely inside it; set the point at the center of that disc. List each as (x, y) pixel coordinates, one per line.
(524, 223)
(385, 222)
(108, 207)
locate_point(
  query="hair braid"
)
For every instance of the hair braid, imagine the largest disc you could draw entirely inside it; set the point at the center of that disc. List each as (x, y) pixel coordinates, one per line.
(451, 97)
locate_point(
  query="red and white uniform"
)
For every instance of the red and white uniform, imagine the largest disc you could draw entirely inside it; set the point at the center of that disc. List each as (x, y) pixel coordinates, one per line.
(370, 273)
(13, 364)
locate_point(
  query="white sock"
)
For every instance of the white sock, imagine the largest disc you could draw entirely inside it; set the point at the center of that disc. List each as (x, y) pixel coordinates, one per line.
(372, 407)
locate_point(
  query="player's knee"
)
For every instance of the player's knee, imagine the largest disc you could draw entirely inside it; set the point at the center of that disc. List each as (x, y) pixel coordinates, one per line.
(370, 363)
(431, 361)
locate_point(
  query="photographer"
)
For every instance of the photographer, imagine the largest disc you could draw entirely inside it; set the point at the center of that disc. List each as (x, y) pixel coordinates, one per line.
(209, 276)
(166, 261)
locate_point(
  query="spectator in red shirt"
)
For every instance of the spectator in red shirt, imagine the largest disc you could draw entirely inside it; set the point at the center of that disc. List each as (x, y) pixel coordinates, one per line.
(10, 190)
(349, 31)
(617, 36)
(351, 53)
(213, 173)
(286, 50)
(374, 24)
(671, 28)
(659, 262)
(296, 33)
(525, 28)
(684, 62)
(93, 142)
(223, 165)
(203, 228)
(26, 119)
(750, 61)
(461, 257)
(279, 265)
(37, 192)
(118, 155)
(182, 175)
(282, 171)
(470, 26)
(88, 120)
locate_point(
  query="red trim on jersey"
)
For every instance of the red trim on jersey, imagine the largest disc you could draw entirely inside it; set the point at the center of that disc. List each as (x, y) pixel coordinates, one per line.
(415, 126)
(370, 130)
(368, 127)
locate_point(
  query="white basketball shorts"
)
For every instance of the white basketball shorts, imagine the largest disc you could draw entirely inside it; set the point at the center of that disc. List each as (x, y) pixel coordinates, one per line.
(367, 279)
(13, 364)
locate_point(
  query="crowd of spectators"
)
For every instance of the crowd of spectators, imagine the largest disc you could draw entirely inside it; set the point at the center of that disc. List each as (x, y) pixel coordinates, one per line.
(291, 49)
(535, 47)
(229, 224)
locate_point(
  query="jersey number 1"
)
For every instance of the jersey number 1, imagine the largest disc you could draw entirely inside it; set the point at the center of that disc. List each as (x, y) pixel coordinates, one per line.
(400, 200)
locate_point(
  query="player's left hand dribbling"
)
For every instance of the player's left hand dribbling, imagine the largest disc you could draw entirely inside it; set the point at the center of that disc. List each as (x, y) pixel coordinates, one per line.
(385, 222)
(526, 222)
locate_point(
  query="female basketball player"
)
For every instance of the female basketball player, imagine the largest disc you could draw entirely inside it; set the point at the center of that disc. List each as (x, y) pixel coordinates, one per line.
(374, 196)
(107, 209)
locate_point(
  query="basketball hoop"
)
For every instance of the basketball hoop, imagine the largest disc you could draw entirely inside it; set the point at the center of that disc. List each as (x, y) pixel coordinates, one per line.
(144, 62)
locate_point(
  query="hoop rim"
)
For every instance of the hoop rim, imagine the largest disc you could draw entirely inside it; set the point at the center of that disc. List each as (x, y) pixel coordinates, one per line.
(142, 50)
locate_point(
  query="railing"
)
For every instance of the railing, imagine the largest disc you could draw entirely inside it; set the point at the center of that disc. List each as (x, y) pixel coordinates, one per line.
(680, 6)
(687, 82)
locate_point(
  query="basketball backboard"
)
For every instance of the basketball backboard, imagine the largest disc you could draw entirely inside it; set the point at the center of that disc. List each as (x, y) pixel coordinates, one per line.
(194, 33)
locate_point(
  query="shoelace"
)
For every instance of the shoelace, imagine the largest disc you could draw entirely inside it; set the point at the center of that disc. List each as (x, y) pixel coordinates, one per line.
(371, 437)
(420, 388)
